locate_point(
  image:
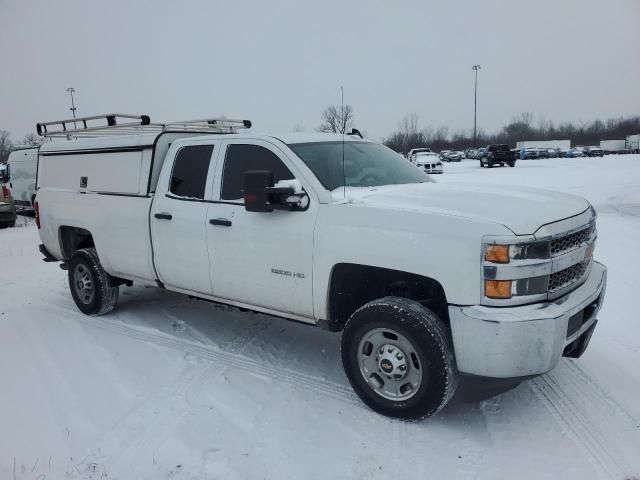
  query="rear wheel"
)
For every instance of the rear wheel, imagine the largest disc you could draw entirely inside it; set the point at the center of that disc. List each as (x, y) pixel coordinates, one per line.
(489, 164)
(91, 287)
(512, 164)
(399, 359)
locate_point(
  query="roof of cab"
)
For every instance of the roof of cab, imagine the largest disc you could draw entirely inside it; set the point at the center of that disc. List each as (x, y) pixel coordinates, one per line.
(305, 137)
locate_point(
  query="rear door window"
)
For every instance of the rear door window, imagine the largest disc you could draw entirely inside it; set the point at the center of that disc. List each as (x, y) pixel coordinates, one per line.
(190, 169)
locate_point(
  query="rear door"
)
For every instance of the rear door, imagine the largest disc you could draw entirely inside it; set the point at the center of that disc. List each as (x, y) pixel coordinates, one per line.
(260, 259)
(178, 217)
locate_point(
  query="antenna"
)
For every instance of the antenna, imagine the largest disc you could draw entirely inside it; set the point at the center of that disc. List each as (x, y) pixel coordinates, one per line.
(344, 127)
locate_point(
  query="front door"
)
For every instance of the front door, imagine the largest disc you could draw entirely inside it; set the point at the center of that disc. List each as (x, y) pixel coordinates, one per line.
(261, 259)
(179, 225)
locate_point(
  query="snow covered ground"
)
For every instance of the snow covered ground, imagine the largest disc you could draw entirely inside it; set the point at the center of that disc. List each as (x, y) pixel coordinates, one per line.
(167, 387)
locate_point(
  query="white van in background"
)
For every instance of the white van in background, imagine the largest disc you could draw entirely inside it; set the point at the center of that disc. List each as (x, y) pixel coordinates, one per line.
(22, 170)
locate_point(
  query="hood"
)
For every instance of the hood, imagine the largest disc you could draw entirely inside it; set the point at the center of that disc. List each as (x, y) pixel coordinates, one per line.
(520, 209)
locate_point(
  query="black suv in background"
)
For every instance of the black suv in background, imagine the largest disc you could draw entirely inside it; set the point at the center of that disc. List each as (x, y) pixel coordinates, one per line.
(498, 154)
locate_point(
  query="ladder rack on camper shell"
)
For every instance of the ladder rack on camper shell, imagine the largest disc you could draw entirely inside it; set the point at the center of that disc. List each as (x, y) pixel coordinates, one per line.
(123, 124)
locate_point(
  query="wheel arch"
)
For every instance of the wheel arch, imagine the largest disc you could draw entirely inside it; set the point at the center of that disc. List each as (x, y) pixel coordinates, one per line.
(353, 285)
(72, 239)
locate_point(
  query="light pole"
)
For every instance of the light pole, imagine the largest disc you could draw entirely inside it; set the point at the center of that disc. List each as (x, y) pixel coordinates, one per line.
(475, 104)
(71, 90)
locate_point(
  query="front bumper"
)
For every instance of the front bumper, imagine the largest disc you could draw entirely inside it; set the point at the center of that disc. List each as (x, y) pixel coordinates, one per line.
(506, 342)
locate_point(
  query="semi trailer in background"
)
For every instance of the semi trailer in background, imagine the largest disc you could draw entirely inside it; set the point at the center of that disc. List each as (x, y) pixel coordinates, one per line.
(632, 143)
(612, 146)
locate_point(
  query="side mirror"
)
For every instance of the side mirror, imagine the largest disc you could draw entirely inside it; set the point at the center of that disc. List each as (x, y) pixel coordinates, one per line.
(260, 194)
(256, 183)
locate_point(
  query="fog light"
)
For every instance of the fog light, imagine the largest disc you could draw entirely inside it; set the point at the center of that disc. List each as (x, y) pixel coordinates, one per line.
(497, 288)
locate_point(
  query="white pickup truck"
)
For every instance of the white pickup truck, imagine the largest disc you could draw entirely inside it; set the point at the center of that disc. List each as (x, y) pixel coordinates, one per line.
(427, 282)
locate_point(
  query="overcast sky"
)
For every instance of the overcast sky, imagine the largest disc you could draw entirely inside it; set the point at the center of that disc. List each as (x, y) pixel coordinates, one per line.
(279, 63)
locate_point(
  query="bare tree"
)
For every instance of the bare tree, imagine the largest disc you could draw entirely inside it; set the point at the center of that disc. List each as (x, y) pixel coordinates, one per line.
(336, 119)
(31, 139)
(524, 118)
(409, 124)
(5, 146)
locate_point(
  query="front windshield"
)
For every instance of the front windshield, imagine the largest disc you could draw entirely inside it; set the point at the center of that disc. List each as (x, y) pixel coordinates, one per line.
(365, 164)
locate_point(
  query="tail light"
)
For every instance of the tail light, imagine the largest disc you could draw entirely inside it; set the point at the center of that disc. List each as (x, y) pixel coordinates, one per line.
(5, 191)
(36, 210)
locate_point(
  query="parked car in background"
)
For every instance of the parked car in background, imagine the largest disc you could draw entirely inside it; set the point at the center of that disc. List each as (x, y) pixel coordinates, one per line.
(552, 152)
(22, 166)
(543, 153)
(575, 152)
(498, 154)
(453, 156)
(411, 153)
(428, 161)
(7, 207)
(561, 152)
(443, 154)
(594, 151)
(529, 153)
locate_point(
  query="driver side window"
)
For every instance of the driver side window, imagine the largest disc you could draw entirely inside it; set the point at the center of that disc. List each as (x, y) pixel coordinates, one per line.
(240, 158)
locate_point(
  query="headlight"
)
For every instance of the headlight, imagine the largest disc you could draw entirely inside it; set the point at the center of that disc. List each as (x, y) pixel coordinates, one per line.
(504, 253)
(525, 269)
(519, 267)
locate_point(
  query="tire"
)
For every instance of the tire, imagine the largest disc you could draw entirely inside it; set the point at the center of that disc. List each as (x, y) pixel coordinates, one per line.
(481, 164)
(489, 164)
(420, 337)
(91, 287)
(512, 164)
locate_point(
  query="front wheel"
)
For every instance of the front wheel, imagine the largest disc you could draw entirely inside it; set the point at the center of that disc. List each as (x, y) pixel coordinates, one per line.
(512, 164)
(399, 358)
(90, 285)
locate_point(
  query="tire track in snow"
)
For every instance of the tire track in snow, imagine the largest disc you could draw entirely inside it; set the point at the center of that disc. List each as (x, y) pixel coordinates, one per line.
(230, 359)
(154, 419)
(147, 444)
(125, 440)
(606, 433)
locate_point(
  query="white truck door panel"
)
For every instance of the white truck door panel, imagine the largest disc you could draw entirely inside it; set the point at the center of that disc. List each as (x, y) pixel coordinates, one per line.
(179, 225)
(261, 259)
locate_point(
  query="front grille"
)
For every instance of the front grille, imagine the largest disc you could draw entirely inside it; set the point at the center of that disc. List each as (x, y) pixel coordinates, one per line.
(571, 241)
(568, 276)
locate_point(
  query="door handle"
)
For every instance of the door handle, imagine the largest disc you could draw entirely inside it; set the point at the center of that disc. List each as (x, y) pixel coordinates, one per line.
(163, 216)
(223, 222)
